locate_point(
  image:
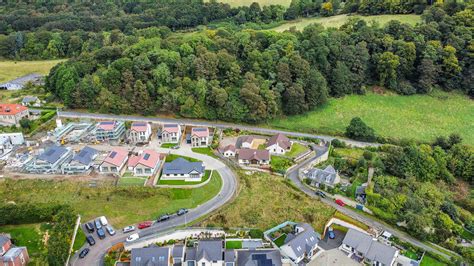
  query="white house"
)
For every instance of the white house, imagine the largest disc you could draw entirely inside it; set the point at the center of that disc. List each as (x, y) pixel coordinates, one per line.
(140, 132)
(145, 164)
(114, 162)
(300, 244)
(278, 144)
(182, 169)
(228, 151)
(171, 133)
(207, 253)
(199, 136)
(11, 114)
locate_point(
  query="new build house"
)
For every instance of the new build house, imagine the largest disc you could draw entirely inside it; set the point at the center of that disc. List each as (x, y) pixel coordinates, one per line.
(109, 130)
(114, 162)
(140, 132)
(11, 114)
(278, 144)
(207, 253)
(253, 157)
(51, 160)
(171, 133)
(199, 136)
(31, 101)
(156, 256)
(81, 162)
(182, 169)
(145, 163)
(301, 244)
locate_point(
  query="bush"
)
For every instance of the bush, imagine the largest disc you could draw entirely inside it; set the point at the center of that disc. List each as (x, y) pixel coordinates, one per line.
(28, 213)
(338, 143)
(256, 233)
(358, 130)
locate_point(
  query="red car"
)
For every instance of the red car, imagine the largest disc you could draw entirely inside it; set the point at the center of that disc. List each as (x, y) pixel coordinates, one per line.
(340, 202)
(143, 225)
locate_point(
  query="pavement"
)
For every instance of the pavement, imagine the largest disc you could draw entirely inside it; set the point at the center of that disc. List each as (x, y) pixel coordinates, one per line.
(97, 252)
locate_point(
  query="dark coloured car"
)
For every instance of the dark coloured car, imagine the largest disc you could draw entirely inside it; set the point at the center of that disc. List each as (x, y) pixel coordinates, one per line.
(321, 194)
(163, 217)
(97, 223)
(84, 253)
(90, 240)
(182, 212)
(90, 227)
(101, 233)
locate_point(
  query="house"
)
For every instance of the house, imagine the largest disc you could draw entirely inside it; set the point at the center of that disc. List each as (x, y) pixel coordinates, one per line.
(51, 160)
(182, 169)
(301, 244)
(11, 114)
(278, 144)
(228, 151)
(11, 255)
(199, 137)
(364, 247)
(156, 256)
(267, 257)
(247, 142)
(253, 156)
(9, 140)
(145, 164)
(31, 101)
(140, 132)
(19, 83)
(207, 253)
(81, 162)
(327, 176)
(5, 244)
(114, 162)
(178, 254)
(109, 130)
(171, 133)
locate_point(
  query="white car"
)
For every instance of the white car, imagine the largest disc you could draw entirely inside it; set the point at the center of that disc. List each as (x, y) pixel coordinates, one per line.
(128, 229)
(133, 237)
(103, 220)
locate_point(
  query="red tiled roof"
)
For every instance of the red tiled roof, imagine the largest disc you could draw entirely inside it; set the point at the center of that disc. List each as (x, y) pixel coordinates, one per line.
(149, 158)
(133, 160)
(139, 126)
(116, 157)
(170, 128)
(11, 109)
(200, 132)
(107, 125)
(252, 154)
(282, 140)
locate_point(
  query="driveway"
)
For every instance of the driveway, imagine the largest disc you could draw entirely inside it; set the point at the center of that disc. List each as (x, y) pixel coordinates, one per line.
(326, 243)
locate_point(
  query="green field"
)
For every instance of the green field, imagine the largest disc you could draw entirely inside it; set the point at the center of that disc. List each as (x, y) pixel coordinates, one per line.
(131, 181)
(30, 236)
(418, 117)
(430, 261)
(13, 69)
(296, 149)
(235, 3)
(339, 20)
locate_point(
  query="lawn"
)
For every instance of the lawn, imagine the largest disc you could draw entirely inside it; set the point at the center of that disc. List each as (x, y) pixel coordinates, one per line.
(280, 240)
(353, 153)
(430, 261)
(182, 182)
(13, 69)
(265, 201)
(235, 3)
(233, 244)
(172, 157)
(280, 164)
(205, 150)
(350, 220)
(168, 145)
(121, 205)
(418, 117)
(339, 20)
(131, 181)
(30, 236)
(296, 149)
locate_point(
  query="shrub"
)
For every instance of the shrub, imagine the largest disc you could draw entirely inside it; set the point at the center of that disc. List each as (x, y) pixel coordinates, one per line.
(256, 233)
(338, 143)
(358, 130)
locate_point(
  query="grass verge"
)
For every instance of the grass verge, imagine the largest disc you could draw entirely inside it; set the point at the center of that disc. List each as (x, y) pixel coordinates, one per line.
(205, 150)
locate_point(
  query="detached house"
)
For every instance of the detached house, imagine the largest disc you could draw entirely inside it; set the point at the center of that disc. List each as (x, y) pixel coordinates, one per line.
(253, 156)
(171, 133)
(327, 176)
(11, 114)
(247, 142)
(156, 256)
(228, 151)
(81, 162)
(145, 164)
(207, 253)
(10, 255)
(278, 144)
(114, 162)
(140, 132)
(109, 130)
(199, 136)
(182, 169)
(301, 244)
(51, 160)
(31, 101)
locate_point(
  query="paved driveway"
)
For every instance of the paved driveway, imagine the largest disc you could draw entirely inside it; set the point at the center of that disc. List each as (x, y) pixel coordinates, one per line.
(326, 243)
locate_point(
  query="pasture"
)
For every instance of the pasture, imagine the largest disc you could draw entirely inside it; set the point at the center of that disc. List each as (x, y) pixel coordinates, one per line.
(13, 69)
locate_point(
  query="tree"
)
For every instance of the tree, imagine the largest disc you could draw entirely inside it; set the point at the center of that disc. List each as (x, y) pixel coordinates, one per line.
(25, 123)
(358, 130)
(427, 72)
(387, 64)
(316, 90)
(294, 100)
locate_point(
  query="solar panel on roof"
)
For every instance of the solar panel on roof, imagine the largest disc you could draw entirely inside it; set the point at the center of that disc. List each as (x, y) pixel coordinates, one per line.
(262, 260)
(49, 152)
(82, 153)
(147, 155)
(112, 155)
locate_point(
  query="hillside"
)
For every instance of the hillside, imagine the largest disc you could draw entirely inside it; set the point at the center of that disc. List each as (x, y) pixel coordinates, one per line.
(13, 69)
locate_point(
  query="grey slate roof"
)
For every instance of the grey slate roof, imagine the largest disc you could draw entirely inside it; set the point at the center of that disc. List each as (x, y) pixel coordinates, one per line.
(85, 156)
(280, 139)
(259, 257)
(3, 240)
(190, 254)
(52, 154)
(156, 256)
(304, 241)
(370, 248)
(326, 176)
(29, 99)
(229, 255)
(182, 166)
(211, 250)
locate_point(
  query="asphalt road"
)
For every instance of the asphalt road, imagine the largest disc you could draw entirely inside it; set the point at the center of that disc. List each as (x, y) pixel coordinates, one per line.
(97, 252)
(71, 114)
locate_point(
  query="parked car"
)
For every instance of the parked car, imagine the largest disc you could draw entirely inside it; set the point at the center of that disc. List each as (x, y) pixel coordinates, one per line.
(175, 147)
(84, 253)
(320, 193)
(331, 233)
(90, 227)
(164, 217)
(182, 212)
(101, 233)
(103, 220)
(133, 237)
(128, 229)
(110, 230)
(340, 202)
(90, 240)
(97, 223)
(144, 225)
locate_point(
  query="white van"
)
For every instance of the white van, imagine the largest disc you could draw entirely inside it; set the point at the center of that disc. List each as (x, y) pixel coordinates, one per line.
(103, 221)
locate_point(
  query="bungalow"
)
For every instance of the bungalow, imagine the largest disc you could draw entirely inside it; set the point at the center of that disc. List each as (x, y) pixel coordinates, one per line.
(364, 247)
(11, 255)
(31, 101)
(156, 256)
(109, 130)
(247, 142)
(140, 132)
(252, 156)
(11, 114)
(327, 176)
(182, 169)
(301, 244)
(171, 133)
(50, 161)
(228, 151)
(146, 163)
(278, 144)
(207, 253)
(81, 162)
(114, 162)
(199, 136)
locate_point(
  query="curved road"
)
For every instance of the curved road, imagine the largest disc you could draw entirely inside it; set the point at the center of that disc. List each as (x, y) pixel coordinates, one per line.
(229, 186)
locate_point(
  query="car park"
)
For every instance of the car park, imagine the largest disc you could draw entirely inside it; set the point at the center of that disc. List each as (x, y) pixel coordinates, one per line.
(89, 227)
(90, 240)
(182, 212)
(103, 220)
(163, 217)
(144, 225)
(110, 230)
(128, 229)
(97, 223)
(320, 193)
(83, 253)
(340, 202)
(101, 233)
(133, 237)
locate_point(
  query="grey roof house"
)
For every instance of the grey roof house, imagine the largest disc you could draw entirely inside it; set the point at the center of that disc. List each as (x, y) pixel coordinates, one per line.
(327, 176)
(301, 244)
(264, 257)
(50, 161)
(81, 162)
(154, 256)
(207, 252)
(31, 101)
(182, 169)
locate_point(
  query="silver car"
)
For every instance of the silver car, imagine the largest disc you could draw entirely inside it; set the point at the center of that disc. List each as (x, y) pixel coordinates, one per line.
(128, 229)
(110, 230)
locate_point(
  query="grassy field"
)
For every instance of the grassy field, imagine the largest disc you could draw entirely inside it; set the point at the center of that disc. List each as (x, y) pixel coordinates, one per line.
(205, 150)
(235, 3)
(339, 20)
(280, 164)
(121, 205)
(296, 149)
(430, 261)
(131, 181)
(418, 117)
(30, 236)
(265, 201)
(13, 69)
(182, 182)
